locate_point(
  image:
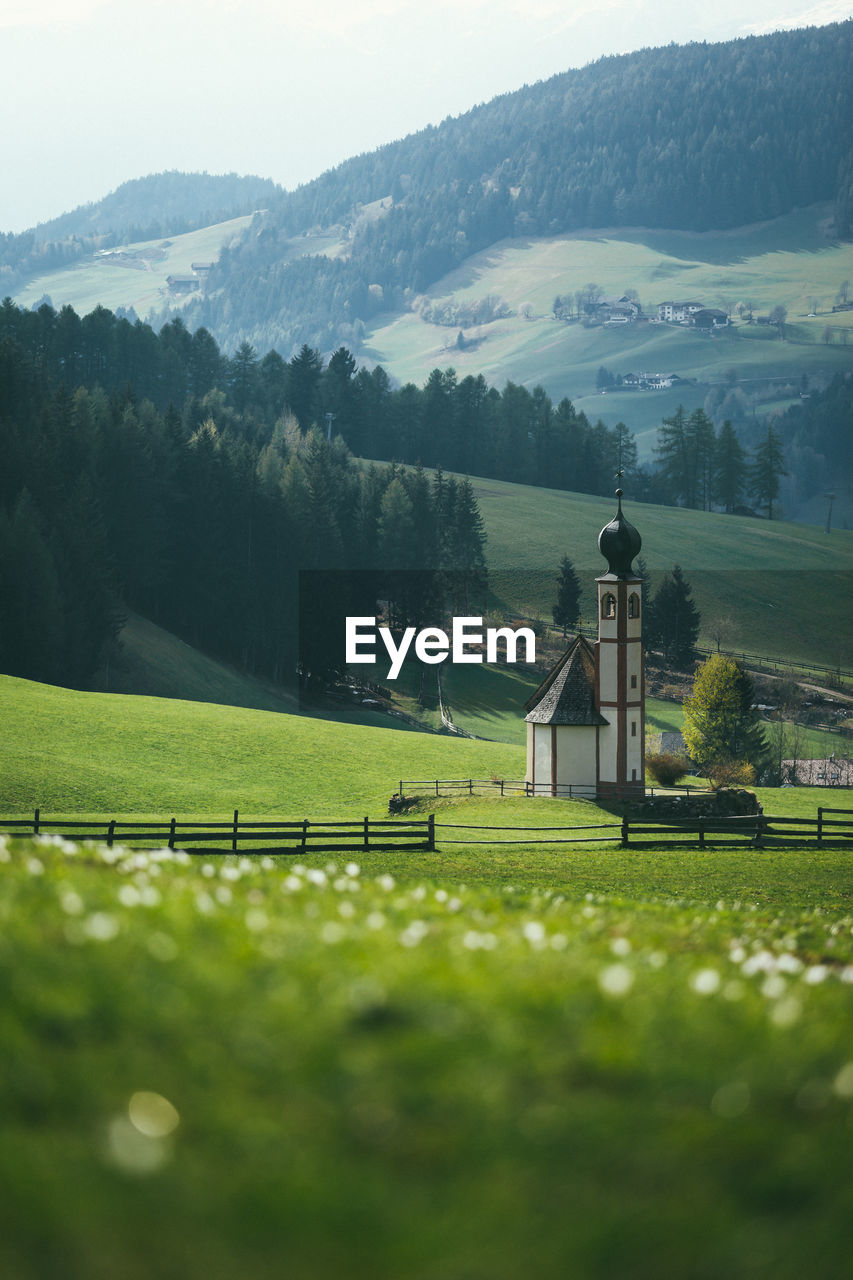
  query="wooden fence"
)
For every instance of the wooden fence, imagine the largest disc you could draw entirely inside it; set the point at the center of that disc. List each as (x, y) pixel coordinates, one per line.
(831, 828)
(758, 831)
(227, 836)
(763, 831)
(509, 787)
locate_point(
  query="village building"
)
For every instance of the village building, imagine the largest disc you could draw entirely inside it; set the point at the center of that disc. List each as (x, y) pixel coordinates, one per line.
(613, 310)
(709, 318)
(586, 721)
(182, 284)
(678, 312)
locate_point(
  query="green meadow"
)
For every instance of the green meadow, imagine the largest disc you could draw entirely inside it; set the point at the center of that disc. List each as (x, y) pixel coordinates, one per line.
(783, 588)
(494, 1059)
(105, 283)
(788, 262)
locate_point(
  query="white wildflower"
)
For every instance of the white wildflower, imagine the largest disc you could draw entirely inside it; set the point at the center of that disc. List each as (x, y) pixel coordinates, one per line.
(705, 982)
(616, 980)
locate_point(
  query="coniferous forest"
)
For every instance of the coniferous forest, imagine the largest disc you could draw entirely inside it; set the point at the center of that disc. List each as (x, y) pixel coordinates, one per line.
(149, 471)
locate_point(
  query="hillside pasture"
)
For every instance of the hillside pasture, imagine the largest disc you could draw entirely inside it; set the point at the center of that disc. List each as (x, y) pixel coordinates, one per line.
(788, 262)
(75, 752)
(773, 580)
(102, 282)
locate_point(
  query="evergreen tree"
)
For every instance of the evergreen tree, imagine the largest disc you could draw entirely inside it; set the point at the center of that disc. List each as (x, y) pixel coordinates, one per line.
(303, 385)
(766, 470)
(702, 445)
(468, 547)
(566, 610)
(677, 462)
(32, 631)
(672, 619)
(730, 470)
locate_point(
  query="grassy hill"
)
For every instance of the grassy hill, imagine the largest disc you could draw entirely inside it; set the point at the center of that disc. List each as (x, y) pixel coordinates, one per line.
(93, 752)
(788, 261)
(785, 587)
(138, 278)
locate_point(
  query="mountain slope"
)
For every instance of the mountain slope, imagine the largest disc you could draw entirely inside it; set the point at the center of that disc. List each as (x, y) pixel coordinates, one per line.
(705, 136)
(162, 204)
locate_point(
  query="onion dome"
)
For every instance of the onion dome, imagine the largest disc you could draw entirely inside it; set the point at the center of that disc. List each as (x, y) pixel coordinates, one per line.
(619, 542)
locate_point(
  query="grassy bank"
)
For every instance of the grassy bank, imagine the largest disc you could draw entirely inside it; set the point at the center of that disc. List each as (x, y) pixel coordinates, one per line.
(600, 1065)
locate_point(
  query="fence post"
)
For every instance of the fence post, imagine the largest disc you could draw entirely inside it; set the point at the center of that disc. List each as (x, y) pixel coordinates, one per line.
(760, 826)
(625, 840)
(111, 830)
(701, 835)
(431, 833)
(304, 833)
(367, 832)
(234, 836)
(436, 786)
(820, 825)
(172, 825)
(470, 786)
(502, 786)
(36, 822)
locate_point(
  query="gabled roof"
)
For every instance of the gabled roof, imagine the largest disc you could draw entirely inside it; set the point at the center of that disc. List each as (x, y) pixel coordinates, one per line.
(567, 695)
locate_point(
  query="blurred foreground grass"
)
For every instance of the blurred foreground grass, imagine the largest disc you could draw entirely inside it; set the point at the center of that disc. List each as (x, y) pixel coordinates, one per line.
(583, 1066)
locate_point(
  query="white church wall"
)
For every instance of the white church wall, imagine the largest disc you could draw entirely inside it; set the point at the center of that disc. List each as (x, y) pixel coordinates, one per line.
(542, 757)
(576, 757)
(607, 738)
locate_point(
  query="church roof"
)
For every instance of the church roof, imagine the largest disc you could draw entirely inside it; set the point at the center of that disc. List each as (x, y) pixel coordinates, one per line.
(619, 542)
(567, 695)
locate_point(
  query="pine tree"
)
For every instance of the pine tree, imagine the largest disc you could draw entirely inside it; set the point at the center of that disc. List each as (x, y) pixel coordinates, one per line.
(676, 458)
(566, 610)
(766, 470)
(672, 619)
(730, 471)
(702, 443)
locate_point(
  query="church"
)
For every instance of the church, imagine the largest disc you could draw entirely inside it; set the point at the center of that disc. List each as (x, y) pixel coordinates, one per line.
(586, 721)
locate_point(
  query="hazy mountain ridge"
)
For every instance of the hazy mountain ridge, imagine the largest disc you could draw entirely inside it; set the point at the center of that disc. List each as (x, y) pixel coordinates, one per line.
(161, 204)
(697, 137)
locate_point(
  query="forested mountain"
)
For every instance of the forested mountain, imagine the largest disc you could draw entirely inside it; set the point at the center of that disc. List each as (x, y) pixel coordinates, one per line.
(696, 137)
(162, 204)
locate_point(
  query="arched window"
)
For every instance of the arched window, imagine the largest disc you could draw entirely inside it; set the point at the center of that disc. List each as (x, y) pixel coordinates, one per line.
(633, 605)
(608, 606)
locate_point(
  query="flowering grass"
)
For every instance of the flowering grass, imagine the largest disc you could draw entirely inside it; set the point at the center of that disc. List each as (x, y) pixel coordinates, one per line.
(603, 1064)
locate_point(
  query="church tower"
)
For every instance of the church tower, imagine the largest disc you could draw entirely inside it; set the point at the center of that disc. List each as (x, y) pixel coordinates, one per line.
(619, 666)
(586, 721)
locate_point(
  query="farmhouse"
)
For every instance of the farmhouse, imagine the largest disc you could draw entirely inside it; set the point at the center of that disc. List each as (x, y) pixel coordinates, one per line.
(586, 721)
(678, 312)
(613, 310)
(709, 318)
(182, 284)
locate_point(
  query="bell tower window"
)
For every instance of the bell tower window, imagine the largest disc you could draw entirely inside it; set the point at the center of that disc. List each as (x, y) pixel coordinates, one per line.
(633, 605)
(608, 606)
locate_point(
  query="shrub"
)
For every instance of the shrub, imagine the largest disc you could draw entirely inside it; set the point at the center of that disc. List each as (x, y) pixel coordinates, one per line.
(666, 768)
(732, 773)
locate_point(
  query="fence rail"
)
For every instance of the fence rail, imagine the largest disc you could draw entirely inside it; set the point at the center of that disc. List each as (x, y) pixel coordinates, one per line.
(508, 787)
(303, 836)
(760, 831)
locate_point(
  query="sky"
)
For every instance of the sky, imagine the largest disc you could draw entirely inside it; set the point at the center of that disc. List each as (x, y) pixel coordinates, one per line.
(101, 91)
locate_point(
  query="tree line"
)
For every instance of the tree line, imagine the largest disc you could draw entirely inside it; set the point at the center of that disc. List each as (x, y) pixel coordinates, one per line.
(203, 523)
(463, 425)
(701, 468)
